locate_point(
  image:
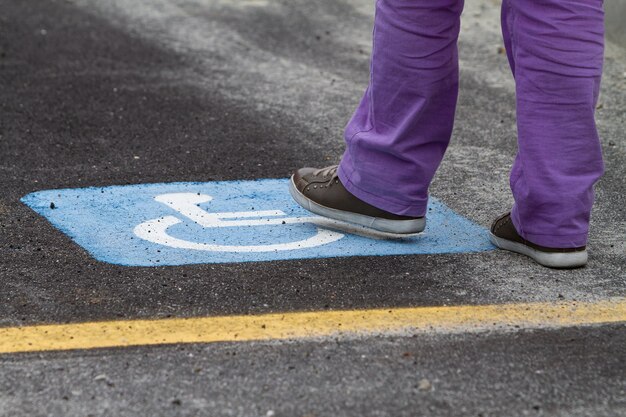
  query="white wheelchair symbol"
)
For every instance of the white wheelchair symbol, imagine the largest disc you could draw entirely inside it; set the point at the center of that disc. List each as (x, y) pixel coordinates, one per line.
(186, 204)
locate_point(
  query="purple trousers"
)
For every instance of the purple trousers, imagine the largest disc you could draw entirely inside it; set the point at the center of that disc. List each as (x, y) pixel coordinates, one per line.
(397, 137)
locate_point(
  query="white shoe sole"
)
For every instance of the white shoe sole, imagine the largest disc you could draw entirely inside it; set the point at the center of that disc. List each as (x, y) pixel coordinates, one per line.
(400, 227)
(549, 259)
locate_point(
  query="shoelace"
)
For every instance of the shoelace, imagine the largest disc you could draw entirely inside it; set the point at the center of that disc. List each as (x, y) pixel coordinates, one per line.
(331, 170)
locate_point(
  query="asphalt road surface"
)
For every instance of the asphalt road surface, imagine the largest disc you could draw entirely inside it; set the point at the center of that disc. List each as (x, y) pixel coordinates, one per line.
(101, 93)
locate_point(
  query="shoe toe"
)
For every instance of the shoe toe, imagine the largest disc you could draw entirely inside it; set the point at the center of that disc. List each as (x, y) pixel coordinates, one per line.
(300, 177)
(499, 221)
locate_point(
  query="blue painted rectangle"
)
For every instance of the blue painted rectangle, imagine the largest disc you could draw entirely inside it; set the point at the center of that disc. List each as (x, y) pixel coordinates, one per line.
(144, 225)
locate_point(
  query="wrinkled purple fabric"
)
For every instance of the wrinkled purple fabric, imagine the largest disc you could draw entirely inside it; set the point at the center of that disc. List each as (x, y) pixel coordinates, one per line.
(399, 133)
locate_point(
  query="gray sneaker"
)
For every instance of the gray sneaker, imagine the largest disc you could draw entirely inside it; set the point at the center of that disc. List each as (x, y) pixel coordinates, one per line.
(320, 191)
(504, 236)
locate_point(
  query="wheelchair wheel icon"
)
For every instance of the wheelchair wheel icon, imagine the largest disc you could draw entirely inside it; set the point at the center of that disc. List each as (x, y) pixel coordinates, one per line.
(186, 204)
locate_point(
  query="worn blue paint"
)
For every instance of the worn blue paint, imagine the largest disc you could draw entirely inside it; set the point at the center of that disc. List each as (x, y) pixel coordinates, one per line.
(101, 220)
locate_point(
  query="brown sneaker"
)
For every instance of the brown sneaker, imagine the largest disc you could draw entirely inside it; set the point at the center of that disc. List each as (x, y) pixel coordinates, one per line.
(504, 236)
(321, 192)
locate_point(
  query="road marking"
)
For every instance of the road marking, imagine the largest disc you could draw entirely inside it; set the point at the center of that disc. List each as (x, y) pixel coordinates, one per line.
(187, 204)
(297, 325)
(229, 221)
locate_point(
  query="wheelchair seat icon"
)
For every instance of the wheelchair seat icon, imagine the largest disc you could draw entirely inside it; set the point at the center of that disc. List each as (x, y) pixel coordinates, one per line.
(186, 204)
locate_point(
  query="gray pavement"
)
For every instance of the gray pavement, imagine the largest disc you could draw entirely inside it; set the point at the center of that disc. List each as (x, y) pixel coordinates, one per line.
(573, 372)
(615, 12)
(215, 90)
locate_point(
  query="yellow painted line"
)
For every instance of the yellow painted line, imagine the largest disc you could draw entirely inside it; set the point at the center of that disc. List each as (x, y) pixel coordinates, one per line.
(309, 325)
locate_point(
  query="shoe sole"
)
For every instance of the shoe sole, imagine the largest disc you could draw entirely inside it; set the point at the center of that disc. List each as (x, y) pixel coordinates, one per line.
(399, 227)
(549, 259)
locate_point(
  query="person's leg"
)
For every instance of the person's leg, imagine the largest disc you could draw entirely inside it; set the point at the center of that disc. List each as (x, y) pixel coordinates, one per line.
(401, 129)
(556, 51)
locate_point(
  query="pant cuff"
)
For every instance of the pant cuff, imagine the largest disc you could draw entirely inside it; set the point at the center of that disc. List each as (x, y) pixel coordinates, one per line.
(549, 241)
(383, 203)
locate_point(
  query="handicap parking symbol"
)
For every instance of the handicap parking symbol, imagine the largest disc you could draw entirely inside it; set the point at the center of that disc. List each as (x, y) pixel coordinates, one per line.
(187, 205)
(229, 221)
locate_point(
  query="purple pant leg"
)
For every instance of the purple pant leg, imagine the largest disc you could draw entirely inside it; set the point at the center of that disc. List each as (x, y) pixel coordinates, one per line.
(400, 131)
(555, 48)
